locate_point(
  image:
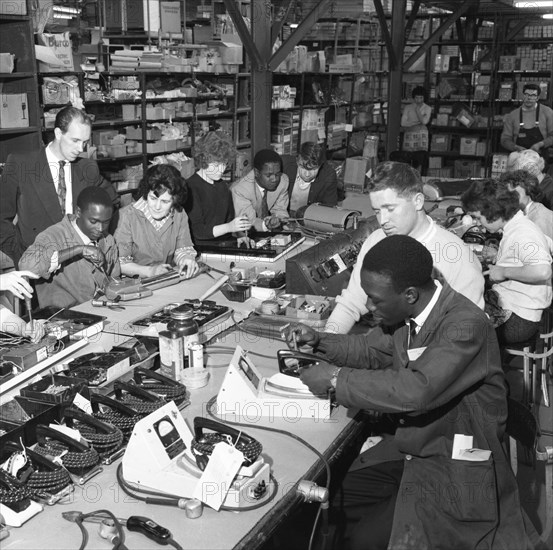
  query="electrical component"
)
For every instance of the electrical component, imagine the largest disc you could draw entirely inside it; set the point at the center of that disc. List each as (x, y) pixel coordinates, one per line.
(325, 268)
(150, 529)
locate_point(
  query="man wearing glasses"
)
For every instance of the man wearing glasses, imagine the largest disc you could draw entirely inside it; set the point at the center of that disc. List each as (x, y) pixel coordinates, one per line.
(530, 126)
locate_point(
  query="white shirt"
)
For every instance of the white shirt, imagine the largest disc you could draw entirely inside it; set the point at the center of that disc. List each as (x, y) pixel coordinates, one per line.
(421, 318)
(300, 194)
(54, 164)
(452, 258)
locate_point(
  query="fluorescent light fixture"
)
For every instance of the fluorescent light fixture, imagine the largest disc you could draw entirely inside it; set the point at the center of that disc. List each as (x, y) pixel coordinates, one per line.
(533, 4)
(62, 16)
(74, 11)
(547, 16)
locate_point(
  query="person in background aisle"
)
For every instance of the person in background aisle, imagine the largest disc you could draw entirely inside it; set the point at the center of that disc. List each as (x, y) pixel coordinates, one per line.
(17, 284)
(529, 126)
(262, 194)
(414, 122)
(527, 187)
(311, 178)
(40, 187)
(209, 204)
(77, 255)
(152, 233)
(532, 162)
(436, 376)
(397, 198)
(521, 276)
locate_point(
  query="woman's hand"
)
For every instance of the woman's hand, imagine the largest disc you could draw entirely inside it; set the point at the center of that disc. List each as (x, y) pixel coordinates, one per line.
(15, 283)
(497, 274)
(188, 267)
(240, 223)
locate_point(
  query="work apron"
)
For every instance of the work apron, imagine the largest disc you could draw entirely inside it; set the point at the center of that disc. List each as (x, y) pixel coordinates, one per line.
(529, 136)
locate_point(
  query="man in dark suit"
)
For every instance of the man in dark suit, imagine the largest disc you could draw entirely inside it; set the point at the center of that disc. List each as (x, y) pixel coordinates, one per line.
(442, 480)
(40, 187)
(311, 178)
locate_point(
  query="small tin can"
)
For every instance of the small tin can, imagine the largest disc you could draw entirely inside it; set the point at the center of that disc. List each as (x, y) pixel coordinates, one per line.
(195, 355)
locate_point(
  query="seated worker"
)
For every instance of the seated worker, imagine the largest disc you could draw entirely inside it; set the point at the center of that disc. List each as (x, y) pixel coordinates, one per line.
(262, 194)
(74, 257)
(152, 233)
(209, 204)
(533, 163)
(311, 178)
(436, 376)
(521, 276)
(527, 187)
(396, 196)
(39, 187)
(16, 283)
(529, 126)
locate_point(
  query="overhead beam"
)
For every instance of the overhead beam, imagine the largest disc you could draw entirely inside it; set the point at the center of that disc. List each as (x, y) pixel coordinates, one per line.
(429, 42)
(297, 35)
(277, 25)
(412, 18)
(385, 33)
(244, 33)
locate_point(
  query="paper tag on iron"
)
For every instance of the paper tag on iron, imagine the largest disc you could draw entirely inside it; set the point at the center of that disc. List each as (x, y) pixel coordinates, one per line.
(223, 465)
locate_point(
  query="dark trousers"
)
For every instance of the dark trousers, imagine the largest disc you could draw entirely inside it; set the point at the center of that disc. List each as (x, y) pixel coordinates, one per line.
(365, 506)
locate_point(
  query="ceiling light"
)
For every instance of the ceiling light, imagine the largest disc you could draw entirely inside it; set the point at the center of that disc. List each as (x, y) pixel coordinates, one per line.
(533, 4)
(547, 16)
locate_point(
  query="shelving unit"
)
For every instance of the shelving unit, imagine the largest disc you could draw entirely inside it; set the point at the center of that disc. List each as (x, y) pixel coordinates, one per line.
(340, 97)
(226, 107)
(20, 120)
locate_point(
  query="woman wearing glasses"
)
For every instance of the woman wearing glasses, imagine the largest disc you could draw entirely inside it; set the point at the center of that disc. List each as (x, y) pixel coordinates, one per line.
(530, 126)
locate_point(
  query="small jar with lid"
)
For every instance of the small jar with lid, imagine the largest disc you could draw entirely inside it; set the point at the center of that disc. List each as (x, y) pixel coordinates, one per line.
(182, 323)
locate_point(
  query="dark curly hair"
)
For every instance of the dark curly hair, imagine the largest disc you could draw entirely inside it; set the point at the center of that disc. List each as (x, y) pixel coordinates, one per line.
(492, 199)
(419, 90)
(215, 146)
(311, 155)
(160, 178)
(522, 178)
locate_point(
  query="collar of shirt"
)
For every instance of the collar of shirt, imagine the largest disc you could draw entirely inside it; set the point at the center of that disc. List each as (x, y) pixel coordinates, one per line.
(528, 207)
(142, 205)
(84, 238)
(512, 223)
(423, 315)
(303, 185)
(261, 189)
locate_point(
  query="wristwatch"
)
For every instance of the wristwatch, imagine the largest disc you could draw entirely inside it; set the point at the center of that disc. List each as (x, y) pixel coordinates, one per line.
(334, 377)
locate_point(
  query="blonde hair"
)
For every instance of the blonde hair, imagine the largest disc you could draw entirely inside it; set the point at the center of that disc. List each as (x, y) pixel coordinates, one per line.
(528, 160)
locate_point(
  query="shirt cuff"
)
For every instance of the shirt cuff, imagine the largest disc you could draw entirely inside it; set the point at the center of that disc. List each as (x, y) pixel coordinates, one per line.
(185, 251)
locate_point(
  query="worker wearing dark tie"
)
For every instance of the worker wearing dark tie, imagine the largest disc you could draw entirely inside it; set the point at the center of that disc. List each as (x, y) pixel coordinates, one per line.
(437, 377)
(40, 187)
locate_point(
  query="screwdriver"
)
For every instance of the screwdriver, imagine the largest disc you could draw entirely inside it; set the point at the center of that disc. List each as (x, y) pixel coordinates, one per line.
(29, 309)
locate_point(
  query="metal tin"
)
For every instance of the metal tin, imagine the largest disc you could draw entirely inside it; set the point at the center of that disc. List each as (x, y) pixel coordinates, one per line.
(171, 354)
(195, 355)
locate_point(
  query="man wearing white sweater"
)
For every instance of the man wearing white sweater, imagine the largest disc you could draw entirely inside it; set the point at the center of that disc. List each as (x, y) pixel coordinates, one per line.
(396, 194)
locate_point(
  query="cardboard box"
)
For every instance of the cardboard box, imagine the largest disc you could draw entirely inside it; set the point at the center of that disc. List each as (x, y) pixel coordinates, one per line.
(7, 62)
(440, 142)
(14, 111)
(13, 7)
(468, 145)
(354, 173)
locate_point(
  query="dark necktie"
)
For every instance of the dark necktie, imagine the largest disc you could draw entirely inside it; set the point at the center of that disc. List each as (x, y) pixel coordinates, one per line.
(412, 331)
(264, 206)
(62, 189)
